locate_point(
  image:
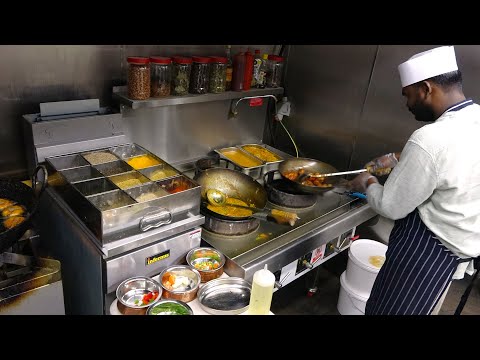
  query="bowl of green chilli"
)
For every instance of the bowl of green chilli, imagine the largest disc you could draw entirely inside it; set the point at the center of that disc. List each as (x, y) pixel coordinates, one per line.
(170, 307)
(209, 262)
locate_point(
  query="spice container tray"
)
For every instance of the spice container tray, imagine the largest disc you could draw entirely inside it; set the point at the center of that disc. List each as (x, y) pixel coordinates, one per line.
(122, 197)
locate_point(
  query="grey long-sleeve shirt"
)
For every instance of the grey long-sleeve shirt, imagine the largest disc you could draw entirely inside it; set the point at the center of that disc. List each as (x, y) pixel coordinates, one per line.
(439, 173)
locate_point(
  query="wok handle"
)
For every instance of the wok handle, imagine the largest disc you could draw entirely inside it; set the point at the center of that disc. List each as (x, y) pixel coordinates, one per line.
(44, 182)
(155, 219)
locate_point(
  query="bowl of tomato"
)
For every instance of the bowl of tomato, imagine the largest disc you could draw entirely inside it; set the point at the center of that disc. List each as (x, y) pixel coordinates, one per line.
(209, 262)
(135, 295)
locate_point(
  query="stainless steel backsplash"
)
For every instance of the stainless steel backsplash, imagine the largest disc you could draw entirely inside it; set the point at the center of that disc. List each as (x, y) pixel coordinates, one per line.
(32, 74)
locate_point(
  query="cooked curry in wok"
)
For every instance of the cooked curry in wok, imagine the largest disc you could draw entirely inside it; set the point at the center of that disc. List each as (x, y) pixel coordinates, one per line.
(231, 210)
(310, 180)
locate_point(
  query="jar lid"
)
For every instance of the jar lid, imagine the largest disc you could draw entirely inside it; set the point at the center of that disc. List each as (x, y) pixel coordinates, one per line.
(160, 60)
(219, 59)
(137, 60)
(275, 58)
(201, 59)
(182, 60)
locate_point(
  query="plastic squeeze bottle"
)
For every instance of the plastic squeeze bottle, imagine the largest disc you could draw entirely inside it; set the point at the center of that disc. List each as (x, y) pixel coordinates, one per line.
(262, 292)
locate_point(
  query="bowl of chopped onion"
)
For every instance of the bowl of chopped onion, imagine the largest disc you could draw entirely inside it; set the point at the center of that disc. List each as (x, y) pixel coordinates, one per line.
(208, 261)
(137, 294)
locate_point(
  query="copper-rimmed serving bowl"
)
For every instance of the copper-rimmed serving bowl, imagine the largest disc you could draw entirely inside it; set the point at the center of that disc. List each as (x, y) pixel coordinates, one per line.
(208, 261)
(180, 282)
(137, 294)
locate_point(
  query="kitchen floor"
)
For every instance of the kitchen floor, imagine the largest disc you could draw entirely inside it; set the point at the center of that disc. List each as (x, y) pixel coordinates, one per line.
(293, 298)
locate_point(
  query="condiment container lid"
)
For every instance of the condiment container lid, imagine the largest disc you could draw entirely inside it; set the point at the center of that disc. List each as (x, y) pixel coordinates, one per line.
(201, 59)
(182, 60)
(138, 60)
(160, 60)
(219, 59)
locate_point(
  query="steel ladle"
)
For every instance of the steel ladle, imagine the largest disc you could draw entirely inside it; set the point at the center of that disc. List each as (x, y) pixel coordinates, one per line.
(218, 198)
(302, 177)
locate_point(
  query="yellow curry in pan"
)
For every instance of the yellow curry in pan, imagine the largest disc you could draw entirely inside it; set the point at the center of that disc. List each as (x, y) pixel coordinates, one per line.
(240, 158)
(230, 210)
(261, 153)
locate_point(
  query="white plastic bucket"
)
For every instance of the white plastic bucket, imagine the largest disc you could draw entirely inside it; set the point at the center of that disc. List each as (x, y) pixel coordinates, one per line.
(349, 302)
(360, 274)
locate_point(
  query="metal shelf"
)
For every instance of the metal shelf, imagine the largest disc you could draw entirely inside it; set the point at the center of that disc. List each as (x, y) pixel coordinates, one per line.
(119, 94)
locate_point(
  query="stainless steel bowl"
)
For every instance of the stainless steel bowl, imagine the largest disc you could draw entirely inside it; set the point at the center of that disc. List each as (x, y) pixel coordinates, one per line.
(225, 296)
(130, 294)
(170, 307)
(200, 257)
(180, 293)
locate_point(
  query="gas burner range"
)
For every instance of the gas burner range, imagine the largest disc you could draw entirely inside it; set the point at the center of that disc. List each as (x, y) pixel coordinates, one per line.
(331, 216)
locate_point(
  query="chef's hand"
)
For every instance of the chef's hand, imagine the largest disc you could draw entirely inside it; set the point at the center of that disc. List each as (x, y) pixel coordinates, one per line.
(360, 182)
(382, 165)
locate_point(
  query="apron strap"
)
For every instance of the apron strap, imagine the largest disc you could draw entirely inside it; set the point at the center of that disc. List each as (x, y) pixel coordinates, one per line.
(466, 294)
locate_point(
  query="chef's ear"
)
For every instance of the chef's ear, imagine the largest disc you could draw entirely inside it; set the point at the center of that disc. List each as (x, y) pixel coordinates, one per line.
(425, 88)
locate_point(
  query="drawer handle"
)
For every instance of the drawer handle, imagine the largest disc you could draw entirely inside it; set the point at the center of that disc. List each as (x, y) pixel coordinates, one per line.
(155, 219)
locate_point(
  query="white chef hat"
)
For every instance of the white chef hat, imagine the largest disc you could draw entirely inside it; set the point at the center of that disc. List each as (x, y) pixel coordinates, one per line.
(427, 64)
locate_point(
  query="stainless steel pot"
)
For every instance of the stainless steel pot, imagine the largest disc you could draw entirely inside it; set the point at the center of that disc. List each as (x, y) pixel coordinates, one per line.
(229, 227)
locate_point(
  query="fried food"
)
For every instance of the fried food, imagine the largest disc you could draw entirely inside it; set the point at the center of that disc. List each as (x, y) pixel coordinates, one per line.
(13, 221)
(4, 203)
(14, 210)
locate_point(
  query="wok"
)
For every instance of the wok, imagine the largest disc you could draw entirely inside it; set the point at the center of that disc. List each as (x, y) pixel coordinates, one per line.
(24, 195)
(234, 184)
(310, 165)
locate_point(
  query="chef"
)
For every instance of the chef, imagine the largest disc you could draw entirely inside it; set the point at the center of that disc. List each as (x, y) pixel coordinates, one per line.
(432, 192)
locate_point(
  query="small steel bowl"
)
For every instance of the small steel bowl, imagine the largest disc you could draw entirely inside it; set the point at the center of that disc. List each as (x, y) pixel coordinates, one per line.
(178, 294)
(164, 307)
(132, 290)
(198, 258)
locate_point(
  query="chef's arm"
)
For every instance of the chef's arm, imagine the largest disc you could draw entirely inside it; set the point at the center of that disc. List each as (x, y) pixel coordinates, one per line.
(409, 185)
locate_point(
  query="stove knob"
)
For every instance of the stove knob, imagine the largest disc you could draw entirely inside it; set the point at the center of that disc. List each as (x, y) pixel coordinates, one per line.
(307, 264)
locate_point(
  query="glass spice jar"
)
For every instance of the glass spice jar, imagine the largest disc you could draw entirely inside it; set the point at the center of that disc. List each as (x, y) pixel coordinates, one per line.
(138, 77)
(160, 76)
(199, 76)
(181, 69)
(218, 74)
(275, 71)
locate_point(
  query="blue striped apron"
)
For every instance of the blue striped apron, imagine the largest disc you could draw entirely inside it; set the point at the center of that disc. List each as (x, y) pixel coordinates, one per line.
(417, 269)
(416, 272)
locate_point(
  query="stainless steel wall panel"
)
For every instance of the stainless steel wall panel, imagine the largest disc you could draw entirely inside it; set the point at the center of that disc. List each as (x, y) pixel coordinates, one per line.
(386, 122)
(31, 74)
(327, 85)
(187, 132)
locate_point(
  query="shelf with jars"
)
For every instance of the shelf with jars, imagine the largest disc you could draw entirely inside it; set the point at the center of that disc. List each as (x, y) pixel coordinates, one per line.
(120, 95)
